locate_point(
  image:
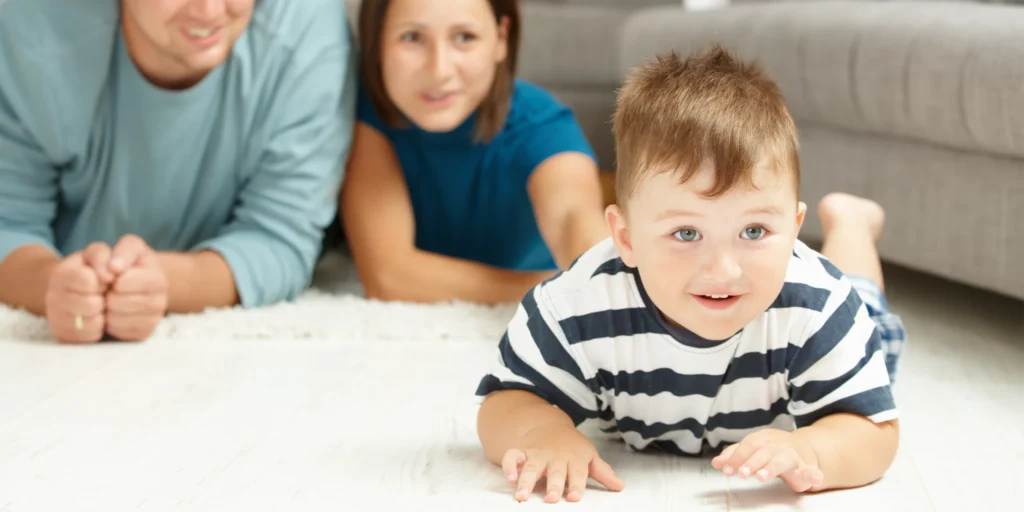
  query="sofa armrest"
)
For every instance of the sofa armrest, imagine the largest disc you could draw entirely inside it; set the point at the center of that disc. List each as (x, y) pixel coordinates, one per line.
(949, 74)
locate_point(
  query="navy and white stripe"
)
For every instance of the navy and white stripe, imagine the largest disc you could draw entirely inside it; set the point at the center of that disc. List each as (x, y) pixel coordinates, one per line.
(590, 343)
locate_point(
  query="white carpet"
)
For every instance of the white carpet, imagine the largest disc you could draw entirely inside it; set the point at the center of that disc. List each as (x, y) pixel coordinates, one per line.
(334, 308)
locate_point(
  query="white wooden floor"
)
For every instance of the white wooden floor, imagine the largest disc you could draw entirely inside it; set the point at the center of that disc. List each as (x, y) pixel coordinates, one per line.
(208, 424)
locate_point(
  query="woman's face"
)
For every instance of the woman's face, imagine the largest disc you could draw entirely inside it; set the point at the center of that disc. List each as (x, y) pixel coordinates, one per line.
(439, 58)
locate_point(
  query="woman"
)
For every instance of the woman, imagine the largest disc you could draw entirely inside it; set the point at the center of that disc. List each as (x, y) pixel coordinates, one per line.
(464, 183)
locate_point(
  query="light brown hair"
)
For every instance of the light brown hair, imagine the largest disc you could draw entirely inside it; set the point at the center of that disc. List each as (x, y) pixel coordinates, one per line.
(495, 107)
(674, 114)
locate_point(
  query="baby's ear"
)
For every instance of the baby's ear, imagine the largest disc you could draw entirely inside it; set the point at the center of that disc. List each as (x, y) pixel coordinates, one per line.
(801, 212)
(616, 219)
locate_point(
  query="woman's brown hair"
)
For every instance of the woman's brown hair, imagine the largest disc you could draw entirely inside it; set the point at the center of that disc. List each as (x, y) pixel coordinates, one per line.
(494, 108)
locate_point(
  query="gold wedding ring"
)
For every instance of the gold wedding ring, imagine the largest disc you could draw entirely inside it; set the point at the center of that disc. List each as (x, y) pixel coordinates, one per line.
(78, 322)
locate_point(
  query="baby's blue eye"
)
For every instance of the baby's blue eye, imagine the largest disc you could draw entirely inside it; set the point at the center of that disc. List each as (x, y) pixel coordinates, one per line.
(753, 232)
(687, 235)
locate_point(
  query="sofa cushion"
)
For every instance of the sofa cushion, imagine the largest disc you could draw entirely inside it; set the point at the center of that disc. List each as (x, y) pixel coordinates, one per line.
(948, 74)
(563, 43)
(570, 44)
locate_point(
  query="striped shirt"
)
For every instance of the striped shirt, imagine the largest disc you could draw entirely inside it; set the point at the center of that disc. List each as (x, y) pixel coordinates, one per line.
(591, 342)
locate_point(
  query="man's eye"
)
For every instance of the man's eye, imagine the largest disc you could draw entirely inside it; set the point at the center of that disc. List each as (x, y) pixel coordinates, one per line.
(687, 235)
(753, 232)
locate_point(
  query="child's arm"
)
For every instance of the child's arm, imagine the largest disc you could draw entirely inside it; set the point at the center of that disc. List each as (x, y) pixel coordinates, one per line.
(535, 396)
(851, 450)
(841, 401)
(529, 438)
(838, 451)
(507, 416)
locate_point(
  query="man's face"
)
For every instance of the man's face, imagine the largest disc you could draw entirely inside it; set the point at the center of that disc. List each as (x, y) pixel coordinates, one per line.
(177, 42)
(710, 265)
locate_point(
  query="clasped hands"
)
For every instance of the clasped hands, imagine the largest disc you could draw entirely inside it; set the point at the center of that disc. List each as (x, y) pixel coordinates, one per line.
(120, 292)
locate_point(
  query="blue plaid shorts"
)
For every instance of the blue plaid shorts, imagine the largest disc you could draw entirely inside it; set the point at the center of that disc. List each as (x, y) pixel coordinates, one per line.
(889, 325)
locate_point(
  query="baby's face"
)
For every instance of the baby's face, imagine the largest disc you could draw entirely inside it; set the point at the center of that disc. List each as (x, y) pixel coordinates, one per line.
(710, 265)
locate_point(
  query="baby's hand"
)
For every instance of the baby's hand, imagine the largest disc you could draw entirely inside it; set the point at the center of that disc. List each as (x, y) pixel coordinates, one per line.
(560, 453)
(772, 453)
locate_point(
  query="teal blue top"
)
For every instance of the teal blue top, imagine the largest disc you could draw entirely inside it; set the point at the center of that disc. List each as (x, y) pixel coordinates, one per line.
(246, 163)
(470, 199)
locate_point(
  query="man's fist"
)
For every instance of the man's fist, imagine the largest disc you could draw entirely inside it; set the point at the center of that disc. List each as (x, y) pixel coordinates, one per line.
(75, 302)
(137, 299)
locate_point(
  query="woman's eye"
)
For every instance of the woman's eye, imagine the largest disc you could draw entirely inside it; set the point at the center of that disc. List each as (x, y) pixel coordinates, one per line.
(464, 37)
(410, 37)
(753, 232)
(687, 235)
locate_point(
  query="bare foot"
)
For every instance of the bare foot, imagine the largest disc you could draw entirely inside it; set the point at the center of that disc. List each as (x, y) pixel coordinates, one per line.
(848, 210)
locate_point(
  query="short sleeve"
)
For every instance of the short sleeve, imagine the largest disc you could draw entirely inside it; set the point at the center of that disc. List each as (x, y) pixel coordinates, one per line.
(840, 368)
(534, 356)
(549, 129)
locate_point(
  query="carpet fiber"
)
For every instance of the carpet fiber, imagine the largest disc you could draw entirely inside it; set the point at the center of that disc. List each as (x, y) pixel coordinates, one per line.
(334, 308)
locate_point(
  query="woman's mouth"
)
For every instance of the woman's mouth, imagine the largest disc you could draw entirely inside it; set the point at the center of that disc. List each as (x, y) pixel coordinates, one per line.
(438, 98)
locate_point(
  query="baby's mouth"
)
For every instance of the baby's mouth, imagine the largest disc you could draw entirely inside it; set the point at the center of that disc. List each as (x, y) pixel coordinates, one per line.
(716, 301)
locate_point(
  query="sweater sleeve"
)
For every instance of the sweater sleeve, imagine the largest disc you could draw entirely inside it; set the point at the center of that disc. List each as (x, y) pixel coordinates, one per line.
(28, 194)
(275, 236)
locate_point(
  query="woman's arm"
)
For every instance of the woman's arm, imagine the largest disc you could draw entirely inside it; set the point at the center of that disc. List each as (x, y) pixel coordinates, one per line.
(379, 226)
(568, 202)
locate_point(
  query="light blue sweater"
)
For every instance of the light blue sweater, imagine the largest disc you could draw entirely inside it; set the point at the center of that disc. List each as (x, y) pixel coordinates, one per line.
(246, 163)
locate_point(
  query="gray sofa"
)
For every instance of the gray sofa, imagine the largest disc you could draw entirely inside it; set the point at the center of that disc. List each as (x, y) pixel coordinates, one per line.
(918, 105)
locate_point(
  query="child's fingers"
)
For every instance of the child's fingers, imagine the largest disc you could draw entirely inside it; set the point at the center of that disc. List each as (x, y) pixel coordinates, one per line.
(510, 464)
(719, 461)
(556, 475)
(782, 462)
(757, 461)
(796, 480)
(802, 478)
(532, 471)
(817, 477)
(739, 456)
(577, 480)
(603, 474)
(813, 475)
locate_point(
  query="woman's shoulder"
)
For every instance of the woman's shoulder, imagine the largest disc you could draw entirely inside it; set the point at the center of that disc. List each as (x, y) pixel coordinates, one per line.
(539, 126)
(533, 104)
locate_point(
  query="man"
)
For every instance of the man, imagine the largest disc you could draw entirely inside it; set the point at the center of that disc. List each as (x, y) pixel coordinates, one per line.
(166, 155)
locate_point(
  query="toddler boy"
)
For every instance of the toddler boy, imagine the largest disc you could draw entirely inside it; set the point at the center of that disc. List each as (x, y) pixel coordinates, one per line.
(703, 323)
